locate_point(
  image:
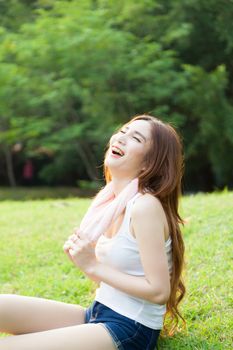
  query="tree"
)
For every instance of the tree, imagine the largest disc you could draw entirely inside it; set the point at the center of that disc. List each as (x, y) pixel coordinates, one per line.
(75, 70)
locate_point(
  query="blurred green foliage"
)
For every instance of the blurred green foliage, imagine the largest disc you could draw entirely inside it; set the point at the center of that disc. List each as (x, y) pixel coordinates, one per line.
(72, 71)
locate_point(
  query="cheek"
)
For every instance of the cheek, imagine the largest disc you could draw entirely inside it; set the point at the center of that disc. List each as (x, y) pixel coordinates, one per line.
(141, 153)
(112, 139)
(136, 155)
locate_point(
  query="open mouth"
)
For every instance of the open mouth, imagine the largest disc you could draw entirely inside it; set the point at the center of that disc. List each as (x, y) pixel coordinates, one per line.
(117, 152)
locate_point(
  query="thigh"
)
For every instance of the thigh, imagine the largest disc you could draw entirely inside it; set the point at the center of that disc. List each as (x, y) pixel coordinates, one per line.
(22, 314)
(87, 336)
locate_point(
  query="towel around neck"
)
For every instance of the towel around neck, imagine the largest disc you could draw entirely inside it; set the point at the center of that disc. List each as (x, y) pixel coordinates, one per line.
(105, 209)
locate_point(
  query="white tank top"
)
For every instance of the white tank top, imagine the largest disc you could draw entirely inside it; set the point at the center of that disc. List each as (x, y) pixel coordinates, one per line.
(122, 253)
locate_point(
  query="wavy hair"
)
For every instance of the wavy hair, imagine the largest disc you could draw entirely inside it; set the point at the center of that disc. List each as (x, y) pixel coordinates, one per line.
(164, 168)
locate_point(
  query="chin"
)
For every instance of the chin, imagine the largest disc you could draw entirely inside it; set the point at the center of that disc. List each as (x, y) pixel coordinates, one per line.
(111, 162)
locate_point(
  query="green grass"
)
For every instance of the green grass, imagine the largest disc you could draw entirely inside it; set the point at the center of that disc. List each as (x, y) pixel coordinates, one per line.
(32, 261)
(32, 193)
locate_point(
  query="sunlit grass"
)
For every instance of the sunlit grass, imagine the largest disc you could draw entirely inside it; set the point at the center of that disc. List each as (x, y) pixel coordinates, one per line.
(32, 261)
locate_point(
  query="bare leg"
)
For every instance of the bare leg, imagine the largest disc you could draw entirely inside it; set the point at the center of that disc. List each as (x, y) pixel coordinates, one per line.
(20, 315)
(83, 337)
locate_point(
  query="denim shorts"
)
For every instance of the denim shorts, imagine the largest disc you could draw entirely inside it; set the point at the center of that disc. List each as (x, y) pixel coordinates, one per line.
(126, 333)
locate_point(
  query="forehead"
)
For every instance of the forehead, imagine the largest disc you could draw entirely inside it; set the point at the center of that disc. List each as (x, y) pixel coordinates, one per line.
(142, 126)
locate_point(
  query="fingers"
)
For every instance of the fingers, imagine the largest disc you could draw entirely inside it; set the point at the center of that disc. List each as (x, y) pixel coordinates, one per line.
(68, 255)
(76, 231)
(76, 243)
(84, 243)
(71, 249)
(66, 249)
(73, 252)
(74, 236)
(69, 245)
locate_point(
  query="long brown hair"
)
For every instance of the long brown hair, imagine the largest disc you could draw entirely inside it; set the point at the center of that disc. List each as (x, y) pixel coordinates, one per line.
(162, 178)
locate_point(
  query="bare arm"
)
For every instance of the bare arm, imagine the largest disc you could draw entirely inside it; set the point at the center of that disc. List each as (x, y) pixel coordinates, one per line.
(148, 226)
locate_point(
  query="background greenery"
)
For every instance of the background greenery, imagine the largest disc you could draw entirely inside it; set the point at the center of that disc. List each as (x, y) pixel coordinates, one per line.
(72, 71)
(32, 262)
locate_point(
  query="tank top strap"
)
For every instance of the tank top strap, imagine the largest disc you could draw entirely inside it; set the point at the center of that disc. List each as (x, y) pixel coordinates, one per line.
(127, 217)
(132, 200)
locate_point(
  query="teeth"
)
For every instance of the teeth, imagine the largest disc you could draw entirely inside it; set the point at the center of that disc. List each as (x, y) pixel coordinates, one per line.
(117, 150)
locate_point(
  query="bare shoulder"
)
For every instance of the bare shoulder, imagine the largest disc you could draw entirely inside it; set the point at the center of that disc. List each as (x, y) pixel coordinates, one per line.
(148, 207)
(147, 203)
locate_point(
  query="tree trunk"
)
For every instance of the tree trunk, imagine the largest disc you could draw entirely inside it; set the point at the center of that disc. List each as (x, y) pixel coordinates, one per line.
(88, 160)
(9, 167)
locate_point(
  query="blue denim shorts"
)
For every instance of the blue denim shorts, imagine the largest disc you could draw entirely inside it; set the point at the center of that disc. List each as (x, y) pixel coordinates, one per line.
(126, 333)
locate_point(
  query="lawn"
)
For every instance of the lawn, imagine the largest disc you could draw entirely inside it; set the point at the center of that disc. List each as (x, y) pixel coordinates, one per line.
(32, 261)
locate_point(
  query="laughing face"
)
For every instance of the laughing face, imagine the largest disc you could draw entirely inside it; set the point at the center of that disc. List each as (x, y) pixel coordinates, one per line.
(127, 150)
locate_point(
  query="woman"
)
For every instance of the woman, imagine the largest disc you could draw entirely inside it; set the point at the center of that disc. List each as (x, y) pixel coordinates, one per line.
(138, 260)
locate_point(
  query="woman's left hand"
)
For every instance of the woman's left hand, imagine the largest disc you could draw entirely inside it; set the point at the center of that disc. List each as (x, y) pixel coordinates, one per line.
(81, 252)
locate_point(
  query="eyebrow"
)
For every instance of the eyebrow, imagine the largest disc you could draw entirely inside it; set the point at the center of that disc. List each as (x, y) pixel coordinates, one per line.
(136, 132)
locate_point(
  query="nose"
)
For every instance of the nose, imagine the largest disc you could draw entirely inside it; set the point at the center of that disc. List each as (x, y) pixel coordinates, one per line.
(121, 138)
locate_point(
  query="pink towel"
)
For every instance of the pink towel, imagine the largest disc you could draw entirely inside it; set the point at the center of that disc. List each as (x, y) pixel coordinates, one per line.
(105, 209)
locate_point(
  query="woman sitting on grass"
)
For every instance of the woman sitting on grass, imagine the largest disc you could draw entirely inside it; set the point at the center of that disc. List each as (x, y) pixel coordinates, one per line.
(129, 242)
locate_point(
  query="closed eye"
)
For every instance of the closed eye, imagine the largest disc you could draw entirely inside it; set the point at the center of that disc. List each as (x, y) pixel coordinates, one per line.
(137, 139)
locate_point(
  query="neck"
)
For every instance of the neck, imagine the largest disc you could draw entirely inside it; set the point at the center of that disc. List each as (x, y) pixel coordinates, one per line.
(119, 184)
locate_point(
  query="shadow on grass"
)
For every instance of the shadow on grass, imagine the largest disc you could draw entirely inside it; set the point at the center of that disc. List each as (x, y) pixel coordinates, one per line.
(34, 193)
